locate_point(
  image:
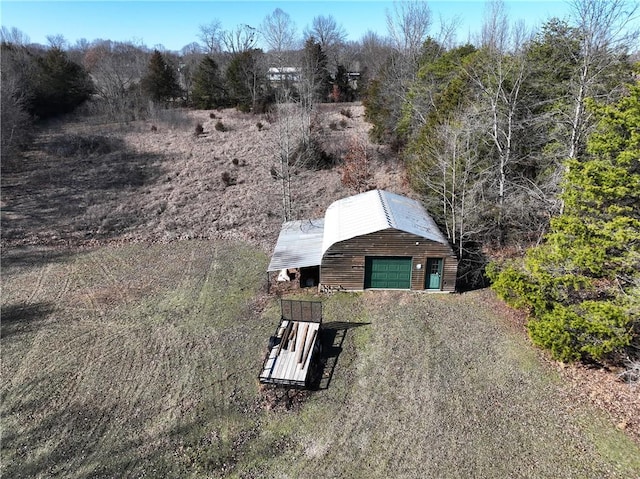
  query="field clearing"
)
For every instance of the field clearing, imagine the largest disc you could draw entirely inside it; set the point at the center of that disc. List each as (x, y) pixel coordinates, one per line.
(84, 183)
(141, 360)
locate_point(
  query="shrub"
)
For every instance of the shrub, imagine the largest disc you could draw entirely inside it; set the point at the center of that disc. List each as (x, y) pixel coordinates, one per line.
(16, 125)
(355, 168)
(311, 155)
(235, 162)
(220, 126)
(228, 179)
(199, 130)
(346, 112)
(333, 125)
(512, 284)
(243, 107)
(343, 123)
(259, 125)
(591, 330)
(212, 116)
(154, 128)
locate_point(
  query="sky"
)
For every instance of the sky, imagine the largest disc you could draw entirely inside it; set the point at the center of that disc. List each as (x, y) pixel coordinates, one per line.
(174, 24)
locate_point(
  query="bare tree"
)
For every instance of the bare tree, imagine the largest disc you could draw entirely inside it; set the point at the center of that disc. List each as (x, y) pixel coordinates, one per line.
(330, 35)
(116, 69)
(15, 122)
(211, 37)
(408, 25)
(453, 176)
(57, 41)
(241, 39)
(356, 165)
(374, 51)
(326, 31)
(279, 33)
(16, 68)
(14, 36)
(495, 27)
(295, 145)
(191, 55)
(289, 129)
(607, 31)
(499, 76)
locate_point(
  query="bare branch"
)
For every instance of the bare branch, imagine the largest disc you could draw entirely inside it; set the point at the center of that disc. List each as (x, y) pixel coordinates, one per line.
(211, 36)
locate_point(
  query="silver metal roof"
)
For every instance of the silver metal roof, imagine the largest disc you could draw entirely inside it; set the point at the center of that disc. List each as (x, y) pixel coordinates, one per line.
(377, 210)
(303, 243)
(299, 245)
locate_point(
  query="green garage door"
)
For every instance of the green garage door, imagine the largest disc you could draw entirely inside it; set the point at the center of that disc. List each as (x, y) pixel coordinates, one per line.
(387, 272)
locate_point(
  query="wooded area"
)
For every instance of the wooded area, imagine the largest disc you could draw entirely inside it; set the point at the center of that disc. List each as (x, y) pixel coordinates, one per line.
(517, 141)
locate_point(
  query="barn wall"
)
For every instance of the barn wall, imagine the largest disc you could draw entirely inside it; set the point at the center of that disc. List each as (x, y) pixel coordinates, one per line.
(343, 263)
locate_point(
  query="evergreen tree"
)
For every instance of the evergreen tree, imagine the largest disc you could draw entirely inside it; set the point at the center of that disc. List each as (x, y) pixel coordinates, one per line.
(60, 85)
(582, 285)
(160, 83)
(342, 90)
(238, 76)
(316, 80)
(208, 86)
(247, 81)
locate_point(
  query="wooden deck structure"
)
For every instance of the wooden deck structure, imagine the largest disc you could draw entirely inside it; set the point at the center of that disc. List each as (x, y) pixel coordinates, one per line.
(294, 344)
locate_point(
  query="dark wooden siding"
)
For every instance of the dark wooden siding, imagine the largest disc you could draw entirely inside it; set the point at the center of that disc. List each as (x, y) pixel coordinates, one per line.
(343, 264)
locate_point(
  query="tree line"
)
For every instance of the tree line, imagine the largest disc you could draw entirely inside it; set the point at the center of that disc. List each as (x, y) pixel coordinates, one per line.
(226, 69)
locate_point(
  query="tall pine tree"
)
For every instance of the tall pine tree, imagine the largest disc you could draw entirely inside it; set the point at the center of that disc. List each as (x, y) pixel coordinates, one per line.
(160, 83)
(208, 86)
(582, 285)
(60, 85)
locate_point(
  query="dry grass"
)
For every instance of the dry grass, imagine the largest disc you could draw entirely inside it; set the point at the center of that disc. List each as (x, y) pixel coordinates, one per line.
(138, 184)
(118, 362)
(141, 360)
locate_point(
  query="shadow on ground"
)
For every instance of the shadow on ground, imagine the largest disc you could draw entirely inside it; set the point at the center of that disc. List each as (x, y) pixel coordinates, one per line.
(24, 257)
(332, 339)
(20, 318)
(71, 188)
(73, 436)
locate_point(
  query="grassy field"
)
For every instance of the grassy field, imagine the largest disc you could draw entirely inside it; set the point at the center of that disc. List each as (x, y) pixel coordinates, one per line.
(141, 361)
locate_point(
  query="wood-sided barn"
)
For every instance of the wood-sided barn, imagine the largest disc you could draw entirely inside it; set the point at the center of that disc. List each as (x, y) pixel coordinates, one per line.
(374, 240)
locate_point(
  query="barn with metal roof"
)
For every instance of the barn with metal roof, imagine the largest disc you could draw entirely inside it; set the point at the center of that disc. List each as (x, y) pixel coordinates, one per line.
(374, 240)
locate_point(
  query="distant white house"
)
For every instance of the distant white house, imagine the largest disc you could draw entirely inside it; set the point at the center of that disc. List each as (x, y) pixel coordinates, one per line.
(283, 74)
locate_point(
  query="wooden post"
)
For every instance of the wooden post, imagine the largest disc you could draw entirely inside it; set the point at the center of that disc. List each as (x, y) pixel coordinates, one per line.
(308, 348)
(304, 340)
(294, 337)
(285, 336)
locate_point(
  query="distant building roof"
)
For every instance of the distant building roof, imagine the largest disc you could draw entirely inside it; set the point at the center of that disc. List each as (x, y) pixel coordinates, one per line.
(377, 210)
(299, 245)
(284, 69)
